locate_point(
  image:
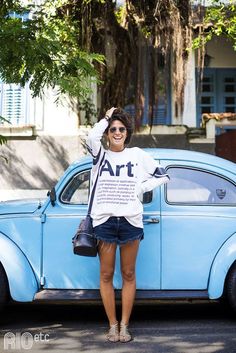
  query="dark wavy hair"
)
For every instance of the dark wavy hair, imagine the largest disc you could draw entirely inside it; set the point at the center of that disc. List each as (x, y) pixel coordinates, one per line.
(125, 119)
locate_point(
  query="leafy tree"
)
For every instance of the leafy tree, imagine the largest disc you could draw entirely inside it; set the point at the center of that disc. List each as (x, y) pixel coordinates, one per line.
(215, 20)
(219, 19)
(2, 138)
(56, 48)
(122, 35)
(44, 49)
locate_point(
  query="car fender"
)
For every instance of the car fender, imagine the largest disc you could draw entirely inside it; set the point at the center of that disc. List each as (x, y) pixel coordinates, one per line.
(220, 267)
(21, 278)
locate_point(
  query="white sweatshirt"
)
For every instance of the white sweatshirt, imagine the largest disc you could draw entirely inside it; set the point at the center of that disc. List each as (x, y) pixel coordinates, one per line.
(123, 177)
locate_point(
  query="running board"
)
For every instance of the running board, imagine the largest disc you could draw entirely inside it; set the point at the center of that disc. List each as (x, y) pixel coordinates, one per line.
(94, 294)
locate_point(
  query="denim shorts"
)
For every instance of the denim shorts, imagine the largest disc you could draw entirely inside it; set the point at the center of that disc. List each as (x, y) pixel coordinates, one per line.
(118, 230)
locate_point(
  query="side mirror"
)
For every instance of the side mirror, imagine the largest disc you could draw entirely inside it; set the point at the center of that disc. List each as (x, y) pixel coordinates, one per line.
(53, 196)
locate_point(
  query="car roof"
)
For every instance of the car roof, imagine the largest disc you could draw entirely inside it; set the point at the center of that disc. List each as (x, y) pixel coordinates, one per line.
(176, 154)
(192, 156)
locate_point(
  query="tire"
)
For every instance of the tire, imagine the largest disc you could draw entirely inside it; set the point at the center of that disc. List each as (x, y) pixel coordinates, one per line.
(4, 288)
(231, 287)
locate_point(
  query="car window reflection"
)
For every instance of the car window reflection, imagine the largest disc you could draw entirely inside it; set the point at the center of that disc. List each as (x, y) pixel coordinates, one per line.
(195, 186)
(77, 190)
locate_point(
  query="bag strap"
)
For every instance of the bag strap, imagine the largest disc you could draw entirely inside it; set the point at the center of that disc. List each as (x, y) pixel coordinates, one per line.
(94, 187)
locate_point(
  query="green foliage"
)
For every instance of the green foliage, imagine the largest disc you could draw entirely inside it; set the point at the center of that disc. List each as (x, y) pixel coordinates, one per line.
(44, 50)
(3, 138)
(88, 107)
(220, 19)
(6, 5)
(120, 14)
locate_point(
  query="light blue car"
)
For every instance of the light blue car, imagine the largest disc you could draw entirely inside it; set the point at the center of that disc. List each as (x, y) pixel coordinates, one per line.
(189, 249)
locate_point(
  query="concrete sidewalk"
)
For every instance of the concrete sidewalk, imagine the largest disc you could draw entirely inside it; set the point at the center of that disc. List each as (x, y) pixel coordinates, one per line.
(162, 328)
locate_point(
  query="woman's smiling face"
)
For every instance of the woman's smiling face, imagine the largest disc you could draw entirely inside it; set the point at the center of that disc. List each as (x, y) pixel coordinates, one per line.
(117, 134)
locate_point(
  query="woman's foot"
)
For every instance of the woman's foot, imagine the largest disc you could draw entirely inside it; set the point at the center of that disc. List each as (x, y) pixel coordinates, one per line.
(125, 335)
(113, 333)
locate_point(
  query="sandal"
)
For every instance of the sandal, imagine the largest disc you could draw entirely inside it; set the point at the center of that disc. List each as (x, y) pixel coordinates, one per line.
(113, 333)
(125, 335)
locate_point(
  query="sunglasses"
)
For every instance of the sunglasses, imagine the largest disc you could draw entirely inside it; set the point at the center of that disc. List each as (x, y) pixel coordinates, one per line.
(121, 129)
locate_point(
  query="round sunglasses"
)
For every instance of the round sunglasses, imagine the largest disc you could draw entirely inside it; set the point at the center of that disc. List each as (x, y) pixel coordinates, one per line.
(121, 129)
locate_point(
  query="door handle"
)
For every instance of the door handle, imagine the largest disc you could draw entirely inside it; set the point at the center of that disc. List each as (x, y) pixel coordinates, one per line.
(152, 220)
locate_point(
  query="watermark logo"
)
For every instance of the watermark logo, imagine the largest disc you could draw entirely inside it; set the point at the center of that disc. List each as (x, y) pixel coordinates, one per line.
(23, 340)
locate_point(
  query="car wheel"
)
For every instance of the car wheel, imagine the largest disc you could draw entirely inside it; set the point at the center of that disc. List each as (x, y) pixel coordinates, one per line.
(4, 288)
(231, 287)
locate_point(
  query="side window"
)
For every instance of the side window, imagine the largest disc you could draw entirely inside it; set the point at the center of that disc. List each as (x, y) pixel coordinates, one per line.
(195, 186)
(76, 191)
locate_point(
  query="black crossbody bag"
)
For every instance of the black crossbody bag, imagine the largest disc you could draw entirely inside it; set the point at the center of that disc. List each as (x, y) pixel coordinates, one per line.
(84, 241)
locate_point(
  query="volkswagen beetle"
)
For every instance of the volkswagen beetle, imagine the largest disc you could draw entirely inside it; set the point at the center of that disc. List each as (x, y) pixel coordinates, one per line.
(189, 249)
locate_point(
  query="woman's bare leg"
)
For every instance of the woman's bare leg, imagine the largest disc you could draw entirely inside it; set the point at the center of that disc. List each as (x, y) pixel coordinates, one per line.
(107, 255)
(128, 255)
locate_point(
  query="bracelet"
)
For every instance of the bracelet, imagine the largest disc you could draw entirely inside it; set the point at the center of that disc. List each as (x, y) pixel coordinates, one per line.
(107, 117)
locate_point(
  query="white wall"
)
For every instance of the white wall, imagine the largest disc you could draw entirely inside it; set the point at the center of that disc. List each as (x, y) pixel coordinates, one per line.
(54, 119)
(222, 55)
(221, 52)
(189, 113)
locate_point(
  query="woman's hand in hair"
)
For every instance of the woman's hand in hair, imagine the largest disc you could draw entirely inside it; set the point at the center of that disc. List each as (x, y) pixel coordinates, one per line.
(109, 113)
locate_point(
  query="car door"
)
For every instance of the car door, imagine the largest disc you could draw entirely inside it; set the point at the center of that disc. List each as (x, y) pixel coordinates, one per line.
(198, 215)
(148, 265)
(61, 269)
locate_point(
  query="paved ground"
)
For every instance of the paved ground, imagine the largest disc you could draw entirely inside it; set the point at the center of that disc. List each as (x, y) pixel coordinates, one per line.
(161, 328)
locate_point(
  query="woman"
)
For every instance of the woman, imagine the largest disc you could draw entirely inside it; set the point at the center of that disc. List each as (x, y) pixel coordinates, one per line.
(124, 175)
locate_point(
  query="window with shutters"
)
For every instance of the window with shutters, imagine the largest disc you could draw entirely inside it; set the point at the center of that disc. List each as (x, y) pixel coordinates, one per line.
(14, 100)
(154, 86)
(218, 92)
(14, 103)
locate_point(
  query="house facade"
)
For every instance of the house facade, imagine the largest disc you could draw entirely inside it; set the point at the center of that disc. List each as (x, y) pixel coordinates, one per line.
(45, 137)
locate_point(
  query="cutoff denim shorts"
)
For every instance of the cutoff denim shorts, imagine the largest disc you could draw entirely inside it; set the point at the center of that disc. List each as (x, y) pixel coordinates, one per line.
(118, 230)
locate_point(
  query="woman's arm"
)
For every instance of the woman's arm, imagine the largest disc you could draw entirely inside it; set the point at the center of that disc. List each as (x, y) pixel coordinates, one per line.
(155, 174)
(158, 178)
(93, 141)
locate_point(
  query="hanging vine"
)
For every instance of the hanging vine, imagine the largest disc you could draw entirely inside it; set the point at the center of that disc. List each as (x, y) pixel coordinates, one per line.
(166, 24)
(162, 26)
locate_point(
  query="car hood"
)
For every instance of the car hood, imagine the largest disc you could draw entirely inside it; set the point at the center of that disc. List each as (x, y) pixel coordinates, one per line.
(20, 206)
